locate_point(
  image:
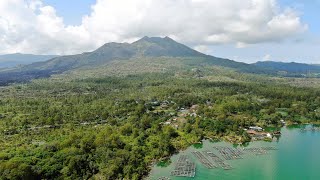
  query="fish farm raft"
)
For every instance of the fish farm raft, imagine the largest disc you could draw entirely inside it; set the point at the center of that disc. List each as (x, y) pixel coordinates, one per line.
(217, 157)
(184, 167)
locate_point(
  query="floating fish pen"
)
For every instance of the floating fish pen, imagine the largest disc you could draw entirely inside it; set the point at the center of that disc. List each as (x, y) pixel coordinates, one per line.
(310, 129)
(315, 129)
(163, 178)
(204, 160)
(229, 153)
(303, 130)
(184, 167)
(269, 148)
(216, 159)
(256, 151)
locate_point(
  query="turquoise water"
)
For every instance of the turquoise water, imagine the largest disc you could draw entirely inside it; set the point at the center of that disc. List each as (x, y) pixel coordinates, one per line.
(297, 158)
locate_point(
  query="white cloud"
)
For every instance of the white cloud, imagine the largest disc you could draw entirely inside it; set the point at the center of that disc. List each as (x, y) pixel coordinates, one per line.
(267, 57)
(241, 45)
(202, 48)
(31, 26)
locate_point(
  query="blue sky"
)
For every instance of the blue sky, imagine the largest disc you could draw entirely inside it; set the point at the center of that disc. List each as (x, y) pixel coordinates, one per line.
(299, 52)
(310, 14)
(310, 10)
(71, 10)
(246, 30)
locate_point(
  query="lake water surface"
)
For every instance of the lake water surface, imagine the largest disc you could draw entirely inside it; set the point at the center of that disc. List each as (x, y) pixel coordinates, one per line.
(297, 158)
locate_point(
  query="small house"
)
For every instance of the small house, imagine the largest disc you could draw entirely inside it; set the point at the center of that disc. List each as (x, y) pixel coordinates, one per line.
(255, 128)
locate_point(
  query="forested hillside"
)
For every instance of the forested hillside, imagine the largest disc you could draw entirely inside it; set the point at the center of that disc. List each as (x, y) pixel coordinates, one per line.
(117, 126)
(151, 48)
(113, 112)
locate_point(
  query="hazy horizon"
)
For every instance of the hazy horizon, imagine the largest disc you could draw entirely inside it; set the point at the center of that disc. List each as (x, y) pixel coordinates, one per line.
(220, 54)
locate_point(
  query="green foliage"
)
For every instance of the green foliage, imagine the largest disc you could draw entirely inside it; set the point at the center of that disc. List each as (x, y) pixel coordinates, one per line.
(113, 127)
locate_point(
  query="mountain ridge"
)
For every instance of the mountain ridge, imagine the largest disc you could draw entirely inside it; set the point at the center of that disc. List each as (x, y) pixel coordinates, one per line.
(146, 47)
(12, 60)
(290, 68)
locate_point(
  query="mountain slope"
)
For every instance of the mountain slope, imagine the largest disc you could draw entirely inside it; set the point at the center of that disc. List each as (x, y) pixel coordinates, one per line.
(12, 60)
(157, 47)
(147, 47)
(290, 69)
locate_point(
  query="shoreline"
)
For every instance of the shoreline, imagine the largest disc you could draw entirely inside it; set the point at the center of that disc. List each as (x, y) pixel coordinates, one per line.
(222, 139)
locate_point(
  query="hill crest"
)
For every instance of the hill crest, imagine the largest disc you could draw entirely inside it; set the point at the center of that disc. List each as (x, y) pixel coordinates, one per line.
(146, 47)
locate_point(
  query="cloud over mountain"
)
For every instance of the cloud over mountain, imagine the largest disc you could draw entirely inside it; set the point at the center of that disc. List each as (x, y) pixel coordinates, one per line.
(32, 27)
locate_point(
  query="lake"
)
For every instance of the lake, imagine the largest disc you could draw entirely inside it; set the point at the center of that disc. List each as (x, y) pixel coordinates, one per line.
(297, 158)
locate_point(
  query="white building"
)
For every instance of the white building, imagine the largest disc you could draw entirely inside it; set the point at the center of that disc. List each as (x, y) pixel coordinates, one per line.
(256, 128)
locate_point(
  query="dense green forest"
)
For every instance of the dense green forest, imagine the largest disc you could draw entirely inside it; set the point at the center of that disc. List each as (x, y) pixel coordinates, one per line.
(116, 127)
